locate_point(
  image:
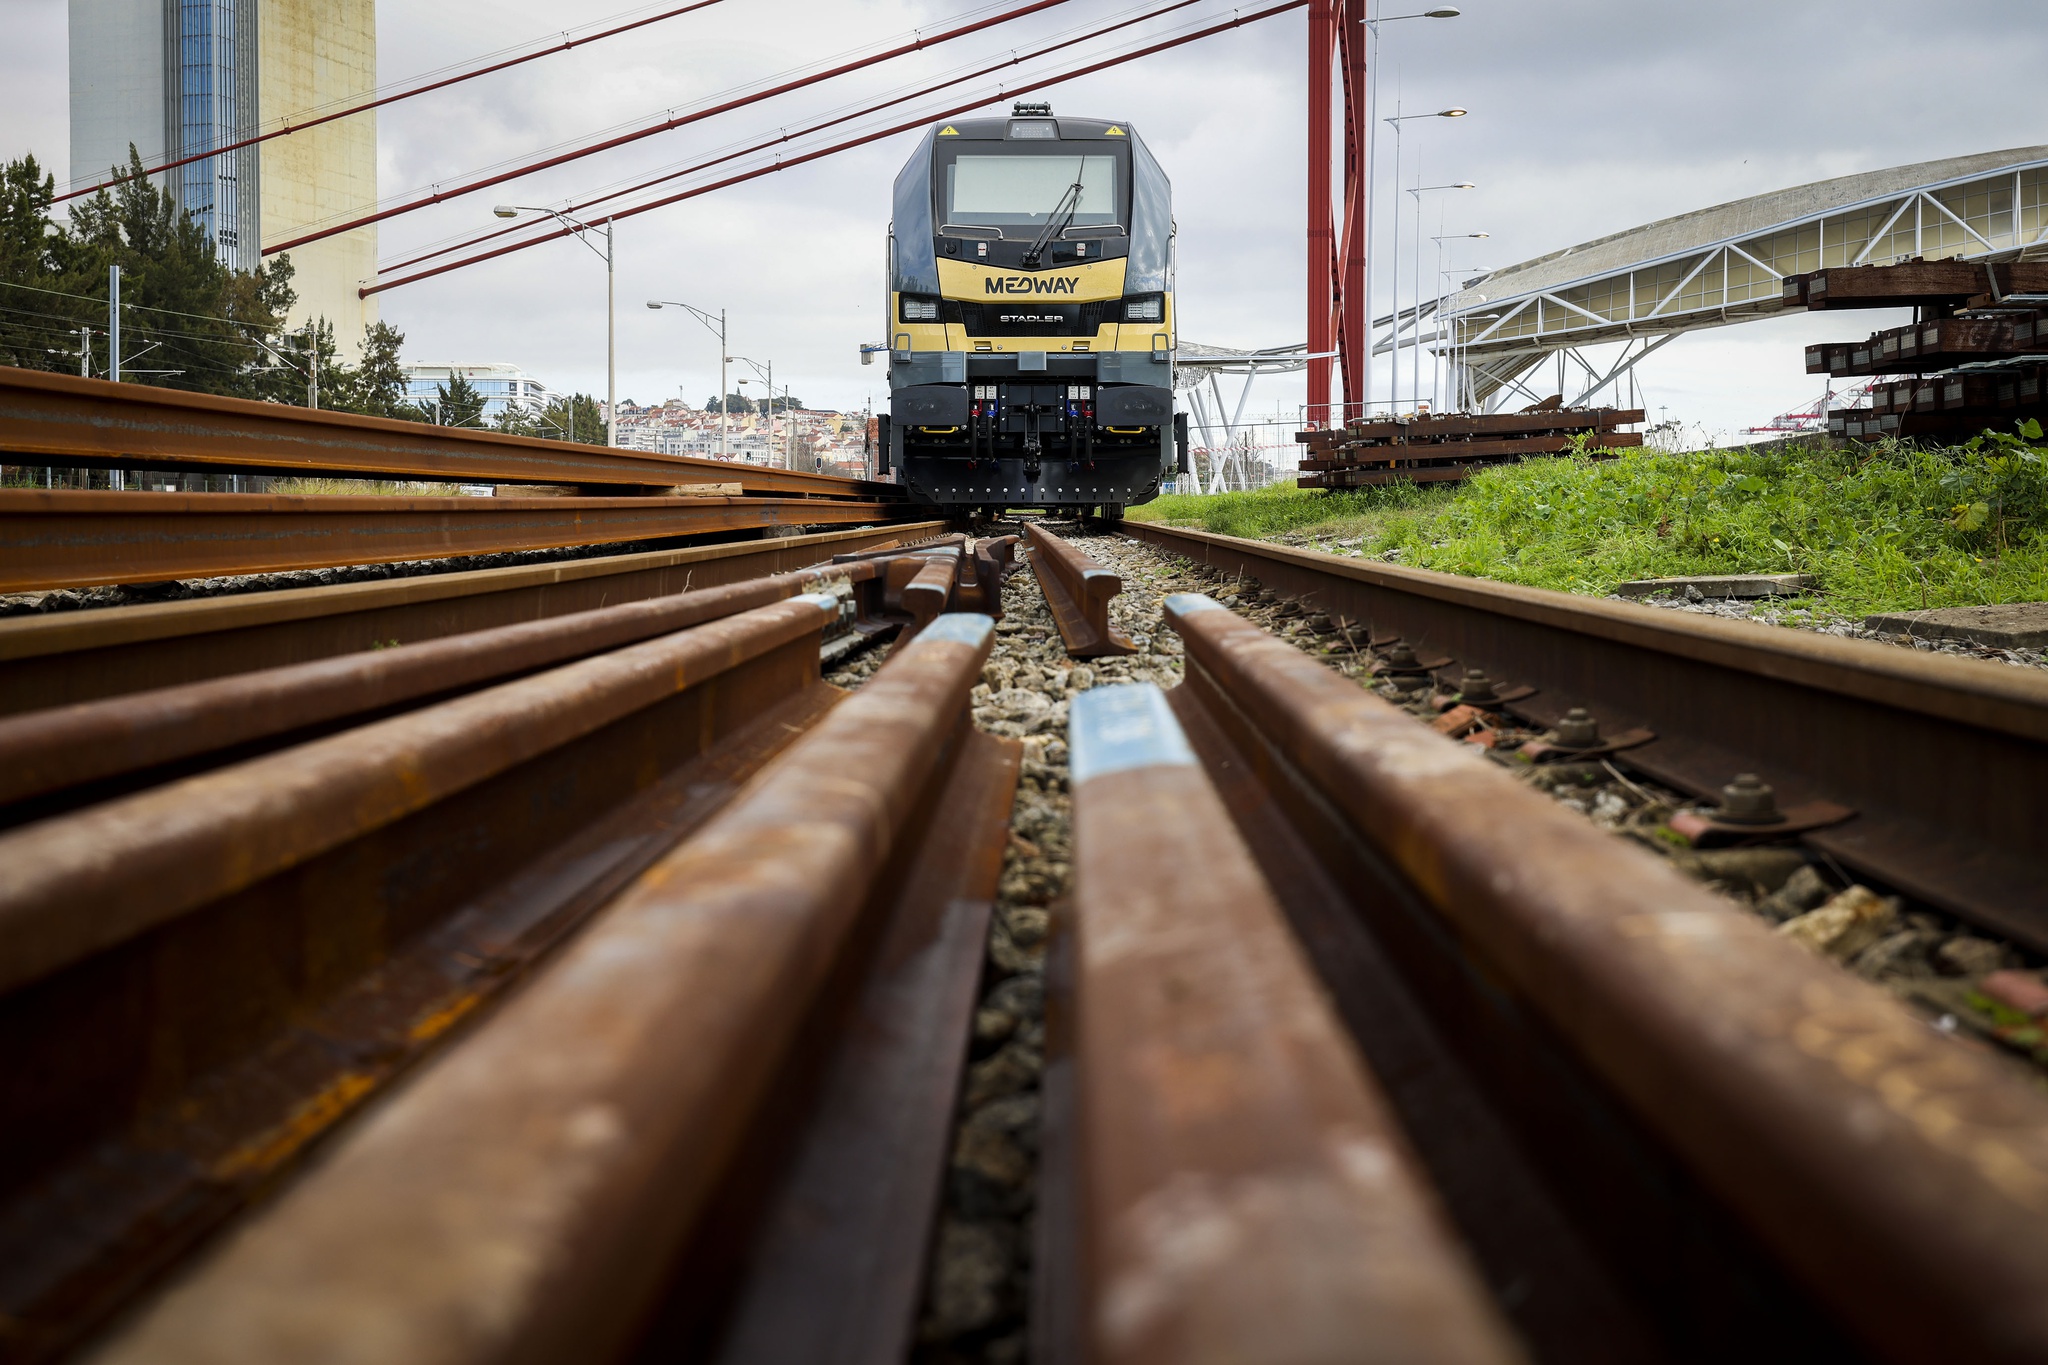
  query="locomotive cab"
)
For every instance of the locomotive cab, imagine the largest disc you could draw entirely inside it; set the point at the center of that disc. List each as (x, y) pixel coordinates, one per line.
(1031, 306)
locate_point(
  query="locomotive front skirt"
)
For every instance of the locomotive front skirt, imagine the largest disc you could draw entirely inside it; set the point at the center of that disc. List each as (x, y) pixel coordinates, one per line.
(1032, 334)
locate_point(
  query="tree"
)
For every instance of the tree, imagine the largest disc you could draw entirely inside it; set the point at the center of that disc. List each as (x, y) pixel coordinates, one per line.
(460, 405)
(578, 418)
(734, 402)
(187, 321)
(376, 386)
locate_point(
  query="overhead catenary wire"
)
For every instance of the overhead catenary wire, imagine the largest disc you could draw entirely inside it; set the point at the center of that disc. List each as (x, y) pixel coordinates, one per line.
(585, 206)
(313, 119)
(438, 195)
(1237, 20)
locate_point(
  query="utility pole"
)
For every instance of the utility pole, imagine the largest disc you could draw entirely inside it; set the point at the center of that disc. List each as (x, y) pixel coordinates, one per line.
(114, 323)
(85, 352)
(312, 365)
(611, 345)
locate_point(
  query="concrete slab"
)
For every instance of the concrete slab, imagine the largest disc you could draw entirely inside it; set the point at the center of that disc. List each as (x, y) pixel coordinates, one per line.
(1722, 585)
(2007, 625)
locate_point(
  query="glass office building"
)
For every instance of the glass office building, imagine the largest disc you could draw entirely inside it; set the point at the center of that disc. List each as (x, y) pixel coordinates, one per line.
(211, 89)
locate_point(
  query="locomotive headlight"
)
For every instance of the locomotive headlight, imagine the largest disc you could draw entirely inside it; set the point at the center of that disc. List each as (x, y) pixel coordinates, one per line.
(920, 308)
(1150, 308)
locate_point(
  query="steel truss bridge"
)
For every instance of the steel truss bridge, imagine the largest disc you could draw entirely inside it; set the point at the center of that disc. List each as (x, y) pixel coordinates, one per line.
(1711, 268)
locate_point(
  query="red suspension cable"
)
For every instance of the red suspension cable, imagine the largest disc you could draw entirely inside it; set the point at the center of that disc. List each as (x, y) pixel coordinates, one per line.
(666, 125)
(367, 105)
(1015, 59)
(1236, 21)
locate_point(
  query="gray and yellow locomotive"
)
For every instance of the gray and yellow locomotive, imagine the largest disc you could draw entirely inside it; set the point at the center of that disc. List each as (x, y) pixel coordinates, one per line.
(1031, 306)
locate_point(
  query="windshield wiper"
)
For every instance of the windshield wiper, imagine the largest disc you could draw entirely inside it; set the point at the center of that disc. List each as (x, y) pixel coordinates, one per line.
(1054, 224)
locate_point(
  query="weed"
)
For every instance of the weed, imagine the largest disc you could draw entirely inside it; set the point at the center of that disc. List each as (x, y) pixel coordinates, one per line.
(1884, 528)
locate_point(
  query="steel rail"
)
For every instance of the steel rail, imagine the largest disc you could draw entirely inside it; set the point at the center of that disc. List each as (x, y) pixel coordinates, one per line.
(529, 1196)
(1894, 1171)
(1943, 761)
(60, 658)
(1217, 1089)
(1077, 589)
(204, 978)
(75, 539)
(205, 837)
(67, 746)
(55, 419)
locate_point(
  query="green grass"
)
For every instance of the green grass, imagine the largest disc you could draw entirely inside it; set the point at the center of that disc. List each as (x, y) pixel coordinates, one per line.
(1880, 529)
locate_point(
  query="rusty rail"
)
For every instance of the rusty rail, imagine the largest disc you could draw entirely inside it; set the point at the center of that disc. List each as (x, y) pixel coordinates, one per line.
(312, 921)
(72, 539)
(1941, 762)
(59, 658)
(48, 750)
(1575, 1026)
(54, 419)
(1078, 591)
(563, 1182)
(1247, 1193)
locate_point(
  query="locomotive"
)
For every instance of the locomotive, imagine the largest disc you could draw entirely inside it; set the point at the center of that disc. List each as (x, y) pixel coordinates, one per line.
(1030, 281)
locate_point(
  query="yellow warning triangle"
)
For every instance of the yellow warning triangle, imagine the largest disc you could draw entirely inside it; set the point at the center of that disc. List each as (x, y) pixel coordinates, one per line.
(1114, 131)
(949, 131)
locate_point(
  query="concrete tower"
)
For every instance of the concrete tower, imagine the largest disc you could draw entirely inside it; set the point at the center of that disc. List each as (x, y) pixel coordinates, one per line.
(175, 77)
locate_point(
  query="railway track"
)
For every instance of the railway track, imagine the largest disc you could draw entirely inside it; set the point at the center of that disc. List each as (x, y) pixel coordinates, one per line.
(586, 978)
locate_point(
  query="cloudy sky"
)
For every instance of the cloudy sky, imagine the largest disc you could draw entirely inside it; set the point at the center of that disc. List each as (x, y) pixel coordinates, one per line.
(1587, 117)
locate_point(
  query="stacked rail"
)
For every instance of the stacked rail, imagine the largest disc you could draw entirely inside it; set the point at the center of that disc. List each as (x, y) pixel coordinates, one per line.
(328, 868)
(658, 958)
(1429, 448)
(546, 494)
(1974, 357)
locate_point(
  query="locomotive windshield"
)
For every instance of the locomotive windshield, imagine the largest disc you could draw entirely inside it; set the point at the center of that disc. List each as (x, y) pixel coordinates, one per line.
(1021, 191)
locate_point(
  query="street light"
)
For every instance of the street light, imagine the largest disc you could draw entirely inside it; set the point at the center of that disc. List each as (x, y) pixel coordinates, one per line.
(1415, 359)
(1371, 196)
(723, 358)
(767, 373)
(611, 331)
(1437, 370)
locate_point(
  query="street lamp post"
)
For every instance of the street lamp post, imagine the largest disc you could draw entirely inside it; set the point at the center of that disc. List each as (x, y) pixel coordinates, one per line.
(723, 358)
(1442, 288)
(767, 373)
(1394, 363)
(1372, 26)
(611, 331)
(1415, 356)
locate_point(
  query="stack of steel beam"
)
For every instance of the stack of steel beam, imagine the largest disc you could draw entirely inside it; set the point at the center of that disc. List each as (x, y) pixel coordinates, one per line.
(1973, 358)
(1430, 448)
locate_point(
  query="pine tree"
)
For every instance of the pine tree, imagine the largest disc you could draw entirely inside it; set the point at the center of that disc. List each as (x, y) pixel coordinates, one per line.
(460, 405)
(376, 386)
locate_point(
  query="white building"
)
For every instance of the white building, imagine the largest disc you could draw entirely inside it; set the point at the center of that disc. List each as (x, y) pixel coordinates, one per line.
(503, 387)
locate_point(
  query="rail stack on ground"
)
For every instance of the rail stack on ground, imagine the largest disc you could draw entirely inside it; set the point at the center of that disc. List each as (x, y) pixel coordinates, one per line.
(1973, 357)
(1446, 448)
(546, 494)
